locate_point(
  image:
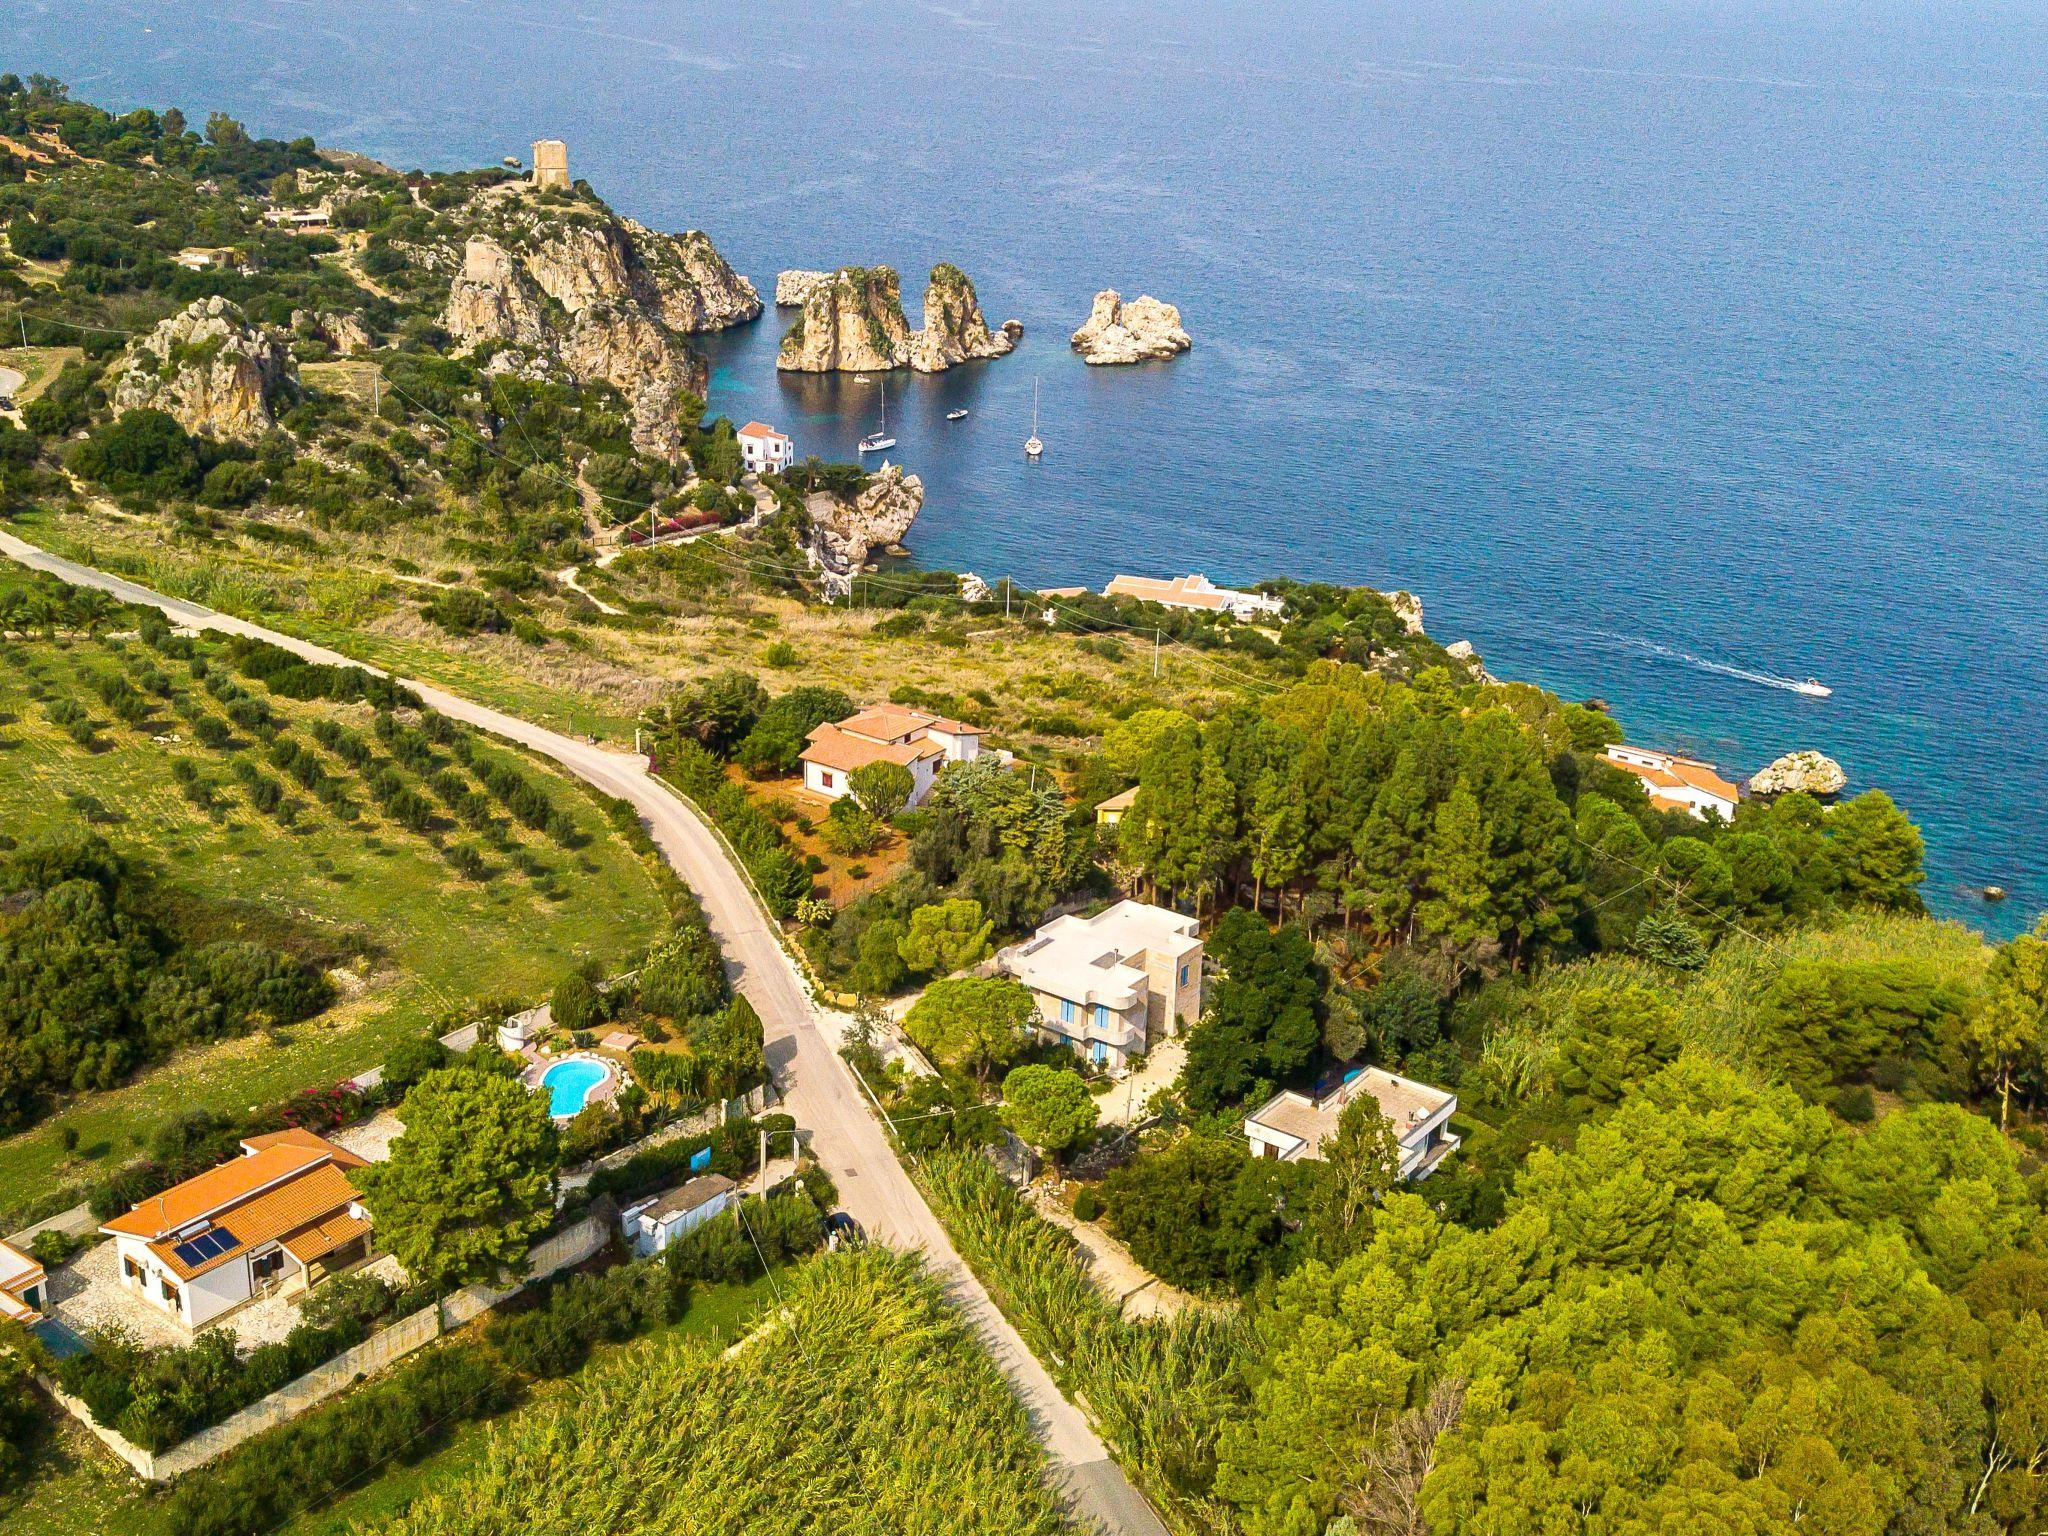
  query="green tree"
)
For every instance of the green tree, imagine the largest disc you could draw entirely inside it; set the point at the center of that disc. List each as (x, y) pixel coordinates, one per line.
(1360, 1165)
(470, 1182)
(576, 1004)
(1459, 910)
(945, 937)
(2008, 1028)
(1279, 833)
(969, 1021)
(1876, 853)
(879, 969)
(883, 788)
(1049, 1108)
(1613, 1038)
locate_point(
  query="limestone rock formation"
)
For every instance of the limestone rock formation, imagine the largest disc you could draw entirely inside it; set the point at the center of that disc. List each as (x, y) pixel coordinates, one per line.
(954, 329)
(211, 370)
(845, 529)
(1140, 331)
(1462, 650)
(602, 326)
(853, 322)
(1803, 772)
(1407, 608)
(796, 285)
(694, 288)
(346, 334)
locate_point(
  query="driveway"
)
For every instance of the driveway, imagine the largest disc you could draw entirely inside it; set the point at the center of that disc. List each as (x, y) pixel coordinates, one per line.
(817, 1086)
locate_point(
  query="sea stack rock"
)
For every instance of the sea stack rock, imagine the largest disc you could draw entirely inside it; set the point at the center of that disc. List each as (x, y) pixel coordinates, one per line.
(852, 323)
(1807, 773)
(846, 529)
(793, 287)
(210, 370)
(1143, 330)
(954, 330)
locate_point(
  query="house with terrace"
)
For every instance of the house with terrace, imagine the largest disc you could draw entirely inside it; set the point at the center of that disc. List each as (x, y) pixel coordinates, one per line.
(1292, 1126)
(886, 733)
(1677, 783)
(279, 1218)
(1114, 985)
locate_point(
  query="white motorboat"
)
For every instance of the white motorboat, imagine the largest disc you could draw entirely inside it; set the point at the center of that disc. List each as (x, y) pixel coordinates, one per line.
(880, 439)
(959, 415)
(1813, 688)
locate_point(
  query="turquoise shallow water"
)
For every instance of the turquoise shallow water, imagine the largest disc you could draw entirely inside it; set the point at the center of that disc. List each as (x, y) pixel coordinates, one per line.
(1665, 349)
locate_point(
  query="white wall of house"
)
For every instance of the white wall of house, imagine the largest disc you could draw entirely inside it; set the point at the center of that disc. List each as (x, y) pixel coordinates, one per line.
(766, 455)
(650, 1236)
(832, 782)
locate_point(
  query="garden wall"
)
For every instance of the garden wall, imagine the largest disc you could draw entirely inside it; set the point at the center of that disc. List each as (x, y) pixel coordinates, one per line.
(572, 1245)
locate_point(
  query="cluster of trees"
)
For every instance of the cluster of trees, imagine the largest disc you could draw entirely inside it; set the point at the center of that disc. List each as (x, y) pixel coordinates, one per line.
(95, 979)
(1479, 824)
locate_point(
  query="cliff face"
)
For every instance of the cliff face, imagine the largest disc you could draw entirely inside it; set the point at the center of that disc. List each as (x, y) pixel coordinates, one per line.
(690, 287)
(844, 530)
(211, 370)
(853, 321)
(598, 328)
(1140, 331)
(579, 289)
(793, 287)
(954, 329)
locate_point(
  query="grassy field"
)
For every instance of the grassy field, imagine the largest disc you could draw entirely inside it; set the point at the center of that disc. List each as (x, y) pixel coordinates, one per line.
(421, 941)
(37, 366)
(82, 1491)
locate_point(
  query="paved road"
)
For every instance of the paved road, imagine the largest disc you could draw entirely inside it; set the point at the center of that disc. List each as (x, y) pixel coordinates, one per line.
(819, 1087)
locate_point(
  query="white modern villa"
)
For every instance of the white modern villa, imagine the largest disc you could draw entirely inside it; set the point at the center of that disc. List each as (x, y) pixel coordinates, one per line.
(280, 1217)
(1197, 592)
(1291, 1126)
(1114, 985)
(886, 733)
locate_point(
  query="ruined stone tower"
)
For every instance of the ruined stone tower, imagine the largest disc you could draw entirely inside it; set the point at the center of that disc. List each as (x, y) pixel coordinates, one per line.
(551, 163)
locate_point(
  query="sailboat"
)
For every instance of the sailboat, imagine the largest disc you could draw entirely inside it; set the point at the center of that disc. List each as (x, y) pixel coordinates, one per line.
(880, 439)
(1032, 446)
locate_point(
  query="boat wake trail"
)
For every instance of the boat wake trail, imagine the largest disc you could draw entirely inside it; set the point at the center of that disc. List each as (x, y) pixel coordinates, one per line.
(1703, 664)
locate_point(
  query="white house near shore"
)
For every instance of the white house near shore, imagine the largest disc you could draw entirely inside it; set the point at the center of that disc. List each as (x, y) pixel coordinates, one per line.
(1113, 985)
(887, 733)
(763, 450)
(1291, 1126)
(1677, 783)
(281, 1217)
(1197, 592)
(653, 1224)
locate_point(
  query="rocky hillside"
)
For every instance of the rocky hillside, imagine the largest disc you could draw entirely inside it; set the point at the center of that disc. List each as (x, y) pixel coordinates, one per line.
(601, 298)
(853, 322)
(209, 368)
(1143, 330)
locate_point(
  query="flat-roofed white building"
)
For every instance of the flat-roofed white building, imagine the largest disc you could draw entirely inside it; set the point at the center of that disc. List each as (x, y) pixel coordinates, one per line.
(1291, 1126)
(763, 450)
(653, 1224)
(1112, 985)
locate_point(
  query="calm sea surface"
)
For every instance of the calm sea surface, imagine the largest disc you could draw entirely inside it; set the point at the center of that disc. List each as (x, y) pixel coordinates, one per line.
(1665, 349)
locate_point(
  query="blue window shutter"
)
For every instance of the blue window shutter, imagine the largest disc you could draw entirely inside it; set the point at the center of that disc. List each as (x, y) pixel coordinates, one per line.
(1066, 1011)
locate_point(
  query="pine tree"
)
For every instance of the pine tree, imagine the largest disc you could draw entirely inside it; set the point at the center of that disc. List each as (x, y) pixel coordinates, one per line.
(1460, 909)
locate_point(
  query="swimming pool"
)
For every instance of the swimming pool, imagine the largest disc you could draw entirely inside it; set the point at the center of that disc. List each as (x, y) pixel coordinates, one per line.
(570, 1084)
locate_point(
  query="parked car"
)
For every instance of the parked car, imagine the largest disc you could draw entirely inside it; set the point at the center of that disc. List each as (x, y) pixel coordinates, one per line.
(841, 1230)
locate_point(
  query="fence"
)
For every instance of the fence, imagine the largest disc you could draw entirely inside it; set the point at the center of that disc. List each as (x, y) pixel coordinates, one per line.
(572, 1245)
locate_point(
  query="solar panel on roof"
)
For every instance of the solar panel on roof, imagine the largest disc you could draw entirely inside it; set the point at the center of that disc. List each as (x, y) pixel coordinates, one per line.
(206, 1245)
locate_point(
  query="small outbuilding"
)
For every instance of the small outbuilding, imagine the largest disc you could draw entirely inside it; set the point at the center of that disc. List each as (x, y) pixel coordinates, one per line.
(653, 1224)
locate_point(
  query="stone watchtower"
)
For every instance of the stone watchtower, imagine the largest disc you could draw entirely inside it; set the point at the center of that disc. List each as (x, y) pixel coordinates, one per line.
(551, 163)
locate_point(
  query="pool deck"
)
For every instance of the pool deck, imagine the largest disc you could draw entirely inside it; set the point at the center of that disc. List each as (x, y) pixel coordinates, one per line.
(603, 1091)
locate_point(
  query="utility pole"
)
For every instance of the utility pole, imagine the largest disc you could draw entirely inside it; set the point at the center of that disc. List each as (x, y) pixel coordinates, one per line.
(1008, 584)
(762, 1177)
(1155, 653)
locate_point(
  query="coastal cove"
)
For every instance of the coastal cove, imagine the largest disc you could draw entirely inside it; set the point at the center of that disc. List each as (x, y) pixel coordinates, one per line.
(1665, 367)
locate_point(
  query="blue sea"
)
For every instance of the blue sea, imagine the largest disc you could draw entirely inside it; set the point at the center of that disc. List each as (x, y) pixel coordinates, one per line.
(1668, 349)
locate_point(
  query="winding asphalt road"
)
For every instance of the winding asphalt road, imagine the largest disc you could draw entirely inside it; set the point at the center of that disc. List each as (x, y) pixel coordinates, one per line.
(818, 1087)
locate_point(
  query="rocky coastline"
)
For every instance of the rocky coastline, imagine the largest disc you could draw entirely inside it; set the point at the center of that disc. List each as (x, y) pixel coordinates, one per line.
(1117, 333)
